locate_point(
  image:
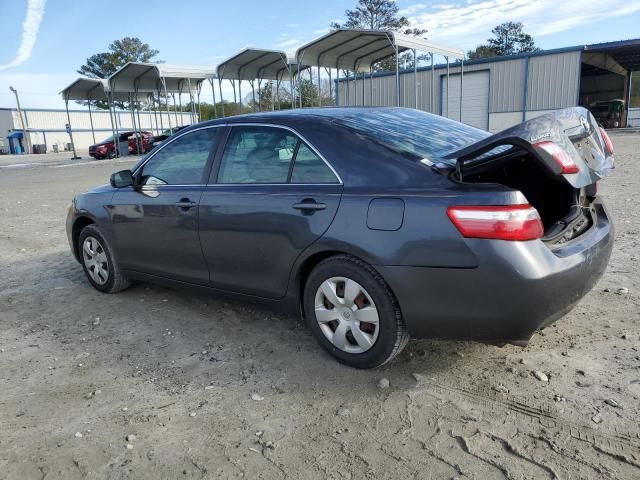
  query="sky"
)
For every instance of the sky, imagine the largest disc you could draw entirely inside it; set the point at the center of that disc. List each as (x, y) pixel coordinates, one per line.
(44, 42)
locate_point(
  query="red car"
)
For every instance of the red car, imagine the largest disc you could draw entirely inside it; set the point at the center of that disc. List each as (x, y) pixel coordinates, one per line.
(106, 149)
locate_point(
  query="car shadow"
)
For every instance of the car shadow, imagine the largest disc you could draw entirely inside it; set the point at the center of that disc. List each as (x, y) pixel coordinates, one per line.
(178, 337)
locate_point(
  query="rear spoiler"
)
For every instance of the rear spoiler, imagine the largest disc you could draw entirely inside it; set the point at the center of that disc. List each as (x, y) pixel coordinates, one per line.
(574, 130)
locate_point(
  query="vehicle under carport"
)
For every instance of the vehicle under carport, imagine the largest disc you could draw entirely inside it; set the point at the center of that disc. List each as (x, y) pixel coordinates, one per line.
(605, 80)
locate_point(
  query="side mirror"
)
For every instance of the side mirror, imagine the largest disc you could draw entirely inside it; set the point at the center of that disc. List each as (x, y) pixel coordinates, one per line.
(121, 179)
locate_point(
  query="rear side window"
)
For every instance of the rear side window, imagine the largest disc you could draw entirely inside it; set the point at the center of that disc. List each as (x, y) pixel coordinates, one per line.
(181, 162)
(267, 155)
(310, 168)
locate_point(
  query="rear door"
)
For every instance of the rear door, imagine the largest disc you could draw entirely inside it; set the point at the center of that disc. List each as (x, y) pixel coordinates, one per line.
(271, 197)
(155, 223)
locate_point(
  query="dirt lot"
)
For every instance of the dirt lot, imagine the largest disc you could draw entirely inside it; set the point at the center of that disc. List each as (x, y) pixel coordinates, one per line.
(215, 389)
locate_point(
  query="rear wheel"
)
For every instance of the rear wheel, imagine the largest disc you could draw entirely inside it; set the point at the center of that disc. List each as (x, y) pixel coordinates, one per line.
(353, 313)
(98, 262)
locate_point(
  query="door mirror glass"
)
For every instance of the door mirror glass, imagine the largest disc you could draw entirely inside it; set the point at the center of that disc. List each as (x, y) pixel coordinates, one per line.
(121, 179)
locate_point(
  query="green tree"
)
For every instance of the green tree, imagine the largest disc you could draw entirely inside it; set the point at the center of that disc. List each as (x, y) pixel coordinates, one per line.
(307, 91)
(508, 38)
(102, 65)
(265, 96)
(382, 15)
(481, 51)
(127, 49)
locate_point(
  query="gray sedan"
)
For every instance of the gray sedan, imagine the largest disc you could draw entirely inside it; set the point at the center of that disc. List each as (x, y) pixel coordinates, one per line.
(377, 224)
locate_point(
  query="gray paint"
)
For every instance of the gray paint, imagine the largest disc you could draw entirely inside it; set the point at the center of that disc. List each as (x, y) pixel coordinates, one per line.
(385, 214)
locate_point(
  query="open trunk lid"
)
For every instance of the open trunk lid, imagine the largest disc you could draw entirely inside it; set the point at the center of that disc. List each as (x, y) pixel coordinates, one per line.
(574, 130)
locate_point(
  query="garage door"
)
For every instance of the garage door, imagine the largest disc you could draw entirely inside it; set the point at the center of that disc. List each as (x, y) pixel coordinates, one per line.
(475, 100)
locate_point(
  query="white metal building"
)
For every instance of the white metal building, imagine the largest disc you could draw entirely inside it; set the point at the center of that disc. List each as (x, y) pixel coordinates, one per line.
(47, 126)
(503, 91)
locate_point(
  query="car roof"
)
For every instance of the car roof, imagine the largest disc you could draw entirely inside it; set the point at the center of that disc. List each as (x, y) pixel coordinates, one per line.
(291, 115)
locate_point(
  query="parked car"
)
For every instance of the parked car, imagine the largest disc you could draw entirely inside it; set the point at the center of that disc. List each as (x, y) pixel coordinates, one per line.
(376, 223)
(106, 148)
(608, 113)
(158, 139)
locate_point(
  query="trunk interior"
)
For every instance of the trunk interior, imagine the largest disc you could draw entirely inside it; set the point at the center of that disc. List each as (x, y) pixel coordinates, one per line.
(564, 210)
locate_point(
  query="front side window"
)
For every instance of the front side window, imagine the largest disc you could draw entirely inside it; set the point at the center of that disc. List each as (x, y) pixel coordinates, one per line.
(257, 154)
(181, 162)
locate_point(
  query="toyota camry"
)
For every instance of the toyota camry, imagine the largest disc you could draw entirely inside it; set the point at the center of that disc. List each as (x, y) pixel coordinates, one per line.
(376, 224)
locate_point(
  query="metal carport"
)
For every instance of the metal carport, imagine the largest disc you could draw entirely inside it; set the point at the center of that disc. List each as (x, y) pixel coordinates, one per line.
(91, 90)
(149, 79)
(358, 50)
(253, 64)
(88, 90)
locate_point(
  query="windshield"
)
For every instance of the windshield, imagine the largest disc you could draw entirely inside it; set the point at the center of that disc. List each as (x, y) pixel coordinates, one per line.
(415, 135)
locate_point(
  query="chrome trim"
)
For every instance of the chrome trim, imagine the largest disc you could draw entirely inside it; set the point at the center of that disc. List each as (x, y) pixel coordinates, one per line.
(155, 187)
(164, 144)
(248, 184)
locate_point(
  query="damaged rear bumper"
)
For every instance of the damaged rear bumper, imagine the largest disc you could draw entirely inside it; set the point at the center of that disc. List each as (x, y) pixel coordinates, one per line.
(517, 287)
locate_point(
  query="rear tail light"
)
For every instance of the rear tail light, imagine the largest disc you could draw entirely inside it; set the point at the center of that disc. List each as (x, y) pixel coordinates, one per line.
(607, 141)
(560, 155)
(499, 222)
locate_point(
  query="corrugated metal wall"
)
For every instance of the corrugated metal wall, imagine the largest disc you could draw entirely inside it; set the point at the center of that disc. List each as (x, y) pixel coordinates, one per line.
(506, 86)
(553, 83)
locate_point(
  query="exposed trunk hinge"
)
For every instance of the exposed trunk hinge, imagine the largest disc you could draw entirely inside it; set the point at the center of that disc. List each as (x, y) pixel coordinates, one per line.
(459, 170)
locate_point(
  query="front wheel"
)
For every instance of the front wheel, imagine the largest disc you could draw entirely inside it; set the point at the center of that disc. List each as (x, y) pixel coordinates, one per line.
(99, 264)
(353, 313)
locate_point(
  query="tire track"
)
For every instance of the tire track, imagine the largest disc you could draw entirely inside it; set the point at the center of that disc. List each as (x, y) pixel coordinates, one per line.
(610, 439)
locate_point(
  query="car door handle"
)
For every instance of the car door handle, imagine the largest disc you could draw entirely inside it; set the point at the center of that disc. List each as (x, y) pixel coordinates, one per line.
(185, 204)
(309, 206)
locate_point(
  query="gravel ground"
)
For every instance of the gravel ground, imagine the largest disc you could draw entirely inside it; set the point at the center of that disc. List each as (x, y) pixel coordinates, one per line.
(155, 383)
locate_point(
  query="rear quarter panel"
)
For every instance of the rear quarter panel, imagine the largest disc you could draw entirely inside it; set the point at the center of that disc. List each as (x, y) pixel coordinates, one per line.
(426, 236)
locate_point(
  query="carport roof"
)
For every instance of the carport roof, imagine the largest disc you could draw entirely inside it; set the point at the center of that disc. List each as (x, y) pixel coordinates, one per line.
(254, 63)
(86, 89)
(625, 52)
(358, 50)
(94, 89)
(151, 77)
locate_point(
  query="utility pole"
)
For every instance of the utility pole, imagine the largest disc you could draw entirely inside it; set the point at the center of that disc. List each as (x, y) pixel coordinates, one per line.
(25, 134)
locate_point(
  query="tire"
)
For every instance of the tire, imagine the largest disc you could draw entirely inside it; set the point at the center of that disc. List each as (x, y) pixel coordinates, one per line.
(374, 345)
(109, 277)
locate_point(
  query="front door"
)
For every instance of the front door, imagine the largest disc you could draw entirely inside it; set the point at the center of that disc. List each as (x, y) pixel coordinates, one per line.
(273, 197)
(155, 223)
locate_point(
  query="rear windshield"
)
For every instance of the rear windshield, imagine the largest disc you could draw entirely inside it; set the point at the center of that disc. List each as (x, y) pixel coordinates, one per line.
(415, 135)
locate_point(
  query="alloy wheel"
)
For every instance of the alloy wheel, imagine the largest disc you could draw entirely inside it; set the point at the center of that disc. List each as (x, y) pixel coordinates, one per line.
(95, 260)
(347, 315)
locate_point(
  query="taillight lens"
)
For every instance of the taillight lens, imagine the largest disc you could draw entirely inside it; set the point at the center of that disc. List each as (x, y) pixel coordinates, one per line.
(559, 155)
(607, 141)
(499, 222)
